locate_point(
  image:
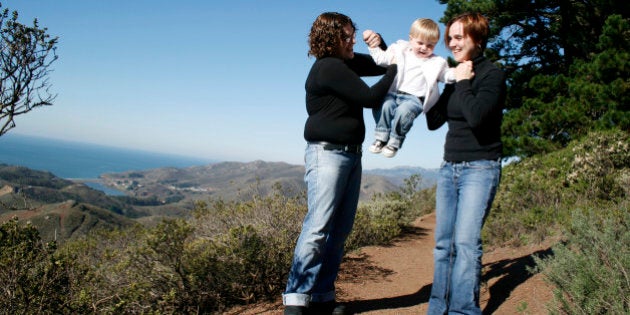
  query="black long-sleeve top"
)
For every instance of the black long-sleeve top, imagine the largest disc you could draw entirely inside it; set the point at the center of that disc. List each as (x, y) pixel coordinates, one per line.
(336, 96)
(473, 110)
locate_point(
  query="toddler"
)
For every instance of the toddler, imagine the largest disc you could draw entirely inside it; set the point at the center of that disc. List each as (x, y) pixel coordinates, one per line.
(415, 88)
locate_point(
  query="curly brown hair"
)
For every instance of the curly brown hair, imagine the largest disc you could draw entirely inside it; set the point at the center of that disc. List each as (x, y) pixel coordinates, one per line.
(326, 33)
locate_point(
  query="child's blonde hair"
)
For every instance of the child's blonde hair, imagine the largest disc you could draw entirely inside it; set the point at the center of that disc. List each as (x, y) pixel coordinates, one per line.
(426, 29)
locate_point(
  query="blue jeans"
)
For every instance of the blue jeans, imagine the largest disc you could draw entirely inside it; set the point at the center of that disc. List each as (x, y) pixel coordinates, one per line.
(333, 180)
(395, 118)
(465, 191)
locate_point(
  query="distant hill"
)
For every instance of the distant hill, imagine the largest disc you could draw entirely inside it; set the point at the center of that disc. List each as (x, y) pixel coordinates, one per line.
(63, 208)
(64, 220)
(228, 180)
(59, 208)
(40, 188)
(397, 175)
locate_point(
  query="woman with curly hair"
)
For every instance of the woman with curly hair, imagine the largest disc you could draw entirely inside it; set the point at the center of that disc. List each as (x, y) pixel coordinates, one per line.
(334, 131)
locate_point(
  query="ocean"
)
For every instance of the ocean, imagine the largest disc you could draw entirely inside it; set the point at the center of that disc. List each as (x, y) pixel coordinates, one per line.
(83, 161)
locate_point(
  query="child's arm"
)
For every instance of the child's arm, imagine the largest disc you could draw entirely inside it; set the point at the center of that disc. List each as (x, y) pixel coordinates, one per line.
(447, 75)
(381, 56)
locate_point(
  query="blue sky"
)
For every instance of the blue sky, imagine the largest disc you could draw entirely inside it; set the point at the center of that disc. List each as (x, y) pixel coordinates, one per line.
(222, 80)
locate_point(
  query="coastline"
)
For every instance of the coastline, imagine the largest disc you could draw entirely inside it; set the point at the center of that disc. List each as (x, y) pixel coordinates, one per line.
(98, 184)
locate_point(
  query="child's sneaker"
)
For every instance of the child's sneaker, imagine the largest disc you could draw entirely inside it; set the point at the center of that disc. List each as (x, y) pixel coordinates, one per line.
(377, 146)
(389, 151)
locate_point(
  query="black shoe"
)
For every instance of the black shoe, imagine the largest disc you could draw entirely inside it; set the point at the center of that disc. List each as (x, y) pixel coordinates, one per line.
(294, 310)
(340, 309)
(326, 308)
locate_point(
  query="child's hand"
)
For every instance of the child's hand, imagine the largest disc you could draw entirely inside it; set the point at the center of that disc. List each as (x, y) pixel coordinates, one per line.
(464, 71)
(371, 38)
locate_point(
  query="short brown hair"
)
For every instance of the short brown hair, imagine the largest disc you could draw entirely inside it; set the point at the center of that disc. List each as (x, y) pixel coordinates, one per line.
(326, 32)
(475, 25)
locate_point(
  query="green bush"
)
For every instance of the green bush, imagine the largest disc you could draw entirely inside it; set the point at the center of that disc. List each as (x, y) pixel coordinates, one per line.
(591, 269)
(537, 195)
(103, 277)
(377, 222)
(32, 280)
(541, 197)
(227, 253)
(384, 217)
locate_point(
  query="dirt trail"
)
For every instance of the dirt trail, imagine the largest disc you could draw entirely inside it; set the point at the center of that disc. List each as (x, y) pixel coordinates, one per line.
(396, 279)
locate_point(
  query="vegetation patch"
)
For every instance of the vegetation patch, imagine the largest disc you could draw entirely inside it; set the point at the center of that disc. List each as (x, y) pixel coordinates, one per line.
(538, 195)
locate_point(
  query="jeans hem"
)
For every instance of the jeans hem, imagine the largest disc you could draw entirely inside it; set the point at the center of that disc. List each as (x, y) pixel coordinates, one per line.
(296, 299)
(382, 136)
(395, 142)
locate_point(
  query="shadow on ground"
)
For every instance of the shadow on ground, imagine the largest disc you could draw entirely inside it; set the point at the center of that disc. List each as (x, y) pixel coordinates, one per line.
(419, 297)
(510, 272)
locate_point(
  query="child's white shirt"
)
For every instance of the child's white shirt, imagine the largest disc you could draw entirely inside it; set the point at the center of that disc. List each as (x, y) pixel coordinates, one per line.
(417, 76)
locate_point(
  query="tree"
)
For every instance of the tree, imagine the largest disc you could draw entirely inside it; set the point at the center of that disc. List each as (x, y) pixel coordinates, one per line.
(591, 95)
(26, 54)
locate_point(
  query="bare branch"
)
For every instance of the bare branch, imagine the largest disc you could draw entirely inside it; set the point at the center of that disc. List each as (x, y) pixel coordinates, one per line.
(26, 55)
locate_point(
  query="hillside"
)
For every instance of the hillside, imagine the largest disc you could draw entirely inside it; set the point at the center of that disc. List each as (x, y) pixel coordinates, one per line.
(555, 241)
(63, 208)
(564, 213)
(59, 208)
(238, 181)
(24, 188)
(65, 220)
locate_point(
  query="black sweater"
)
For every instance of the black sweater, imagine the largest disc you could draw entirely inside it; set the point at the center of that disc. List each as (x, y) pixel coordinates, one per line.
(473, 110)
(336, 96)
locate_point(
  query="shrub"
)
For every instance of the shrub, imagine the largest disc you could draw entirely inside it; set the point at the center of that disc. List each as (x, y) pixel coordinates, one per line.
(537, 195)
(244, 248)
(32, 281)
(384, 217)
(102, 277)
(377, 222)
(226, 253)
(591, 269)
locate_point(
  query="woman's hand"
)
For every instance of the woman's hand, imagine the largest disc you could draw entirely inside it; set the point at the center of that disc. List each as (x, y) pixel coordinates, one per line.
(371, 38)
(464, 71)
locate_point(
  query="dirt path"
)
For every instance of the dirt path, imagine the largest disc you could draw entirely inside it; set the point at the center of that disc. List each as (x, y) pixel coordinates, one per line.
(397, 279)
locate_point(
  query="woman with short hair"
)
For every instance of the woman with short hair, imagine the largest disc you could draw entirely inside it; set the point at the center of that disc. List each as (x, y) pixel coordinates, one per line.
(472, 108)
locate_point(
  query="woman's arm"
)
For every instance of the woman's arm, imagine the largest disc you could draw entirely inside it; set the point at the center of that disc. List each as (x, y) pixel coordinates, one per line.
(363, 65)
(436, 116)
(347, 85)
